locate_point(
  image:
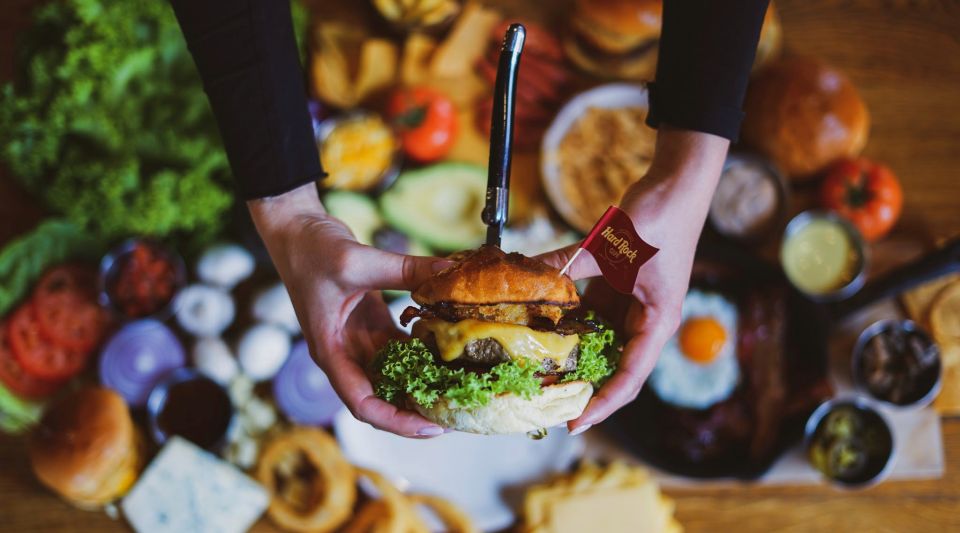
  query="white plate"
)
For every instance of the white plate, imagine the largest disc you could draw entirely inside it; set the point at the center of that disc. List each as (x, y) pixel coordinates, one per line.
(484, 475)
(610, 96)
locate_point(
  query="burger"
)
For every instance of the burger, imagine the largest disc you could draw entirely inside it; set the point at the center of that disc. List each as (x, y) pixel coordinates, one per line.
(499, 345)
(615, 38)
(86, 448)
(620, 38)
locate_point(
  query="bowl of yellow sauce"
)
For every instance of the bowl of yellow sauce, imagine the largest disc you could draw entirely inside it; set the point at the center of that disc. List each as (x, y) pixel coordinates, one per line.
(823, 256)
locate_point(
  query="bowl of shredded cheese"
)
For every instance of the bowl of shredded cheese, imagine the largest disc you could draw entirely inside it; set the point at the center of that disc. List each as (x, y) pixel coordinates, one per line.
(596, 146)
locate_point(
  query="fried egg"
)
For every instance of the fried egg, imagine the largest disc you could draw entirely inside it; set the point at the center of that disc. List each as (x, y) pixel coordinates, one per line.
(698, 366)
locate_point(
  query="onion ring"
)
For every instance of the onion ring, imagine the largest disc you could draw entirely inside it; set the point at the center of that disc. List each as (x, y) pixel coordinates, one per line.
(334, 482)
(452, 516)
(400, 516)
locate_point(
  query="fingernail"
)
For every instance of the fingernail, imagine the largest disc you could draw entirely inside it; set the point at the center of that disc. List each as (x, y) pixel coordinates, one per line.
(442, 264)
(448, 430)
(430, 431)
(581, 429)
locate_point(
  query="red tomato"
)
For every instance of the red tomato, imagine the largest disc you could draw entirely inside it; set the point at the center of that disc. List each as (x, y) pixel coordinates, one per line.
(66, 308)
(864, 192)
(66, 279)
(427, 120)
(14, 378)
(38, 356)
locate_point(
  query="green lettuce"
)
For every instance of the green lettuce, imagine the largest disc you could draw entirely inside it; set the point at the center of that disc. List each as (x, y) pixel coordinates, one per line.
(598, 357)
(16, 414)
(23, 260)
(409, 369)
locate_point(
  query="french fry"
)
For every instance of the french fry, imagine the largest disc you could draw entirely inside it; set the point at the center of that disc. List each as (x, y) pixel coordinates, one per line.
(467, 42)
(416, 55)
(378, 67)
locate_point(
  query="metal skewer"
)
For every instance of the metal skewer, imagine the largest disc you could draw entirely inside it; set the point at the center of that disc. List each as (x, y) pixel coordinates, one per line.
(501, 134)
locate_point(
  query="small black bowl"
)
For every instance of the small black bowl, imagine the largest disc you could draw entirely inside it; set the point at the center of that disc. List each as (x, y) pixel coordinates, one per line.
(211, 413)
(110, 268)
(927, 383)
(879, 462)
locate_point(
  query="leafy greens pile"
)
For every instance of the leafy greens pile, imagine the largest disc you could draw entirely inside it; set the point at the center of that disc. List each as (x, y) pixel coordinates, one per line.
(109, 124)
(408, 368)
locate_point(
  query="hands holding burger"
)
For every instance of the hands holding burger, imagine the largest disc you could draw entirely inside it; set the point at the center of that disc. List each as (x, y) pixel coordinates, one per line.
(333, 281)
(668, 207)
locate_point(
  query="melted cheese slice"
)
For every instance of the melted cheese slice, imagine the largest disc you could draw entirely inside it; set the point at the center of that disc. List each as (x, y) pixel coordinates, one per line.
(520, 342)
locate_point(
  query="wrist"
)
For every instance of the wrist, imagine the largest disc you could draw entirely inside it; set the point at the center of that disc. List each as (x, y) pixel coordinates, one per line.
(675, 193)
(273, 214)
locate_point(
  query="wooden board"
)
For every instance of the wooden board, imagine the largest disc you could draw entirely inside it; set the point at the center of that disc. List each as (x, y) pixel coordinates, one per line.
(905, 59)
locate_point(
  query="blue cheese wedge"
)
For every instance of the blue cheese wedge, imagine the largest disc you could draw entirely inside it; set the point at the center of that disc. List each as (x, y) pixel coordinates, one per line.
(186, 489)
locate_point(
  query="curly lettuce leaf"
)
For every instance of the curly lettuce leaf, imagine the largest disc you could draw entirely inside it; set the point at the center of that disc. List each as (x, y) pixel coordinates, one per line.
(599, 354)
(408, 368)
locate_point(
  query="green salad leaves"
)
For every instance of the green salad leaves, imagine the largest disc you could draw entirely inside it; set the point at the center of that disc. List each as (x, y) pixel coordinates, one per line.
(408, 368)
(108, 122)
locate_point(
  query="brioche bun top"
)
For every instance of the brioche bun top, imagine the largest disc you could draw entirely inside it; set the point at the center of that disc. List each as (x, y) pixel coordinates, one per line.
(489, 276)
(804, 115)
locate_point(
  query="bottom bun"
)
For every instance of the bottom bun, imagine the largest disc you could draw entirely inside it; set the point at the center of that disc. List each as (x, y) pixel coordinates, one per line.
(509, 413)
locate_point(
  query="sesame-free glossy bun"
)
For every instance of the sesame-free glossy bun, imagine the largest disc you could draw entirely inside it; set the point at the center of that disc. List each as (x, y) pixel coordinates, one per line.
(615, 38)
(618, 25)
(804, 115)
(86, 448)
(489, 276)
(510, 413)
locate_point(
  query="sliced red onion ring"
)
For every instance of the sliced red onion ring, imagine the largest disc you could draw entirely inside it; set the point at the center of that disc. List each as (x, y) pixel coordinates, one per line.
(303, 392)
(137, 357)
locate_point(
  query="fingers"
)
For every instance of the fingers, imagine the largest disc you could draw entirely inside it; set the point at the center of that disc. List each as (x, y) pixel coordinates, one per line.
(584, 266)
(356, 391)
(371, 268)
(636, 362)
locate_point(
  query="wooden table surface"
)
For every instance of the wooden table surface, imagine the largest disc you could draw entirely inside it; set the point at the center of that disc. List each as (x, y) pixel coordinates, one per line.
(905, 59)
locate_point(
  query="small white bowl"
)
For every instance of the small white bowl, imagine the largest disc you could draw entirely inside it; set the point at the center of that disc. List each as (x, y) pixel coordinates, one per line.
(610, 96)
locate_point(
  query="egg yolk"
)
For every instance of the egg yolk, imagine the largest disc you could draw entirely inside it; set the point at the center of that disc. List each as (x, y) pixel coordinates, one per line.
(701, 339)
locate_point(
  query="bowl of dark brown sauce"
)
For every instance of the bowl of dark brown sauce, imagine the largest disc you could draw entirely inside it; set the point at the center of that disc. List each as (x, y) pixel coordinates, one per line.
(190, 405)
(896, 362)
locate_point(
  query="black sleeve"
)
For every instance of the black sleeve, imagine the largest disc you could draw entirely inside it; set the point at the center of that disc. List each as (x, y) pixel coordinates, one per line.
(706, 51)
(247, 57)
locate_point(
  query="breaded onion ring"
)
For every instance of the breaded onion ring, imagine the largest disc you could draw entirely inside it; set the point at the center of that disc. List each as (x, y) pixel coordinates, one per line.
(319, 504)
(452, 516)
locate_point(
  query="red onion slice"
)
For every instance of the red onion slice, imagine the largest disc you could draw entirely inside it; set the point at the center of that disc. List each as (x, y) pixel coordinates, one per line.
(303, 392)
(137, 357)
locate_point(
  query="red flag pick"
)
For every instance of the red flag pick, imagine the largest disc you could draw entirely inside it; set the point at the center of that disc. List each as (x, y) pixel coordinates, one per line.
(619, 251)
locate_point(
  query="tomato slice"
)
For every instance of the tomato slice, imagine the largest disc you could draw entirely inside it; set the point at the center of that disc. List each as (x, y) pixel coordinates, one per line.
(71, 320)
(67, 279)
(66, 307)
(16, 379)
(38, 356)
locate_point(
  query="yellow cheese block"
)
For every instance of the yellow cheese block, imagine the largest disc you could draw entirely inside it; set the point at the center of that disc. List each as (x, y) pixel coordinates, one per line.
(519, 342)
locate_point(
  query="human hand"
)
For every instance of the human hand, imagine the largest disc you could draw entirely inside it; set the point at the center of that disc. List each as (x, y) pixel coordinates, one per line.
(668, 208)
(334, 281)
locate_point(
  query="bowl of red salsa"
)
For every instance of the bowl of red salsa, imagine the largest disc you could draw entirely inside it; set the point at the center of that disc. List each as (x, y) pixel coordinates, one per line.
(139, 279)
